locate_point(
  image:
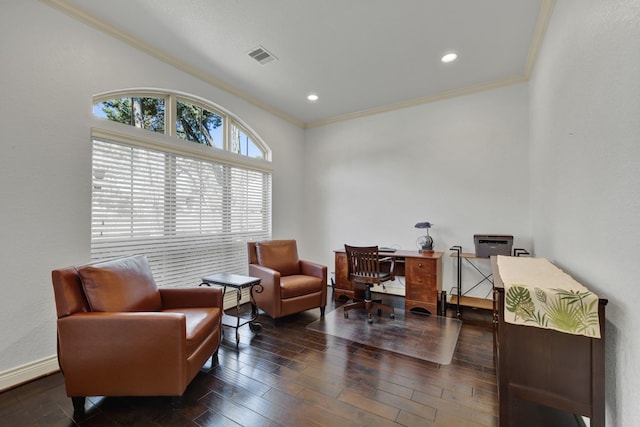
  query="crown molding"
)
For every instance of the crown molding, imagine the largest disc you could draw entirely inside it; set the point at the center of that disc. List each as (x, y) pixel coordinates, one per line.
(85, 17)
(544, 16)
(420, 101)
(546, 10)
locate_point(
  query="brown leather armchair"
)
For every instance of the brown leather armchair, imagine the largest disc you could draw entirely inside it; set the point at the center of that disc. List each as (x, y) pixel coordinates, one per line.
(291, 285)
(120, 335)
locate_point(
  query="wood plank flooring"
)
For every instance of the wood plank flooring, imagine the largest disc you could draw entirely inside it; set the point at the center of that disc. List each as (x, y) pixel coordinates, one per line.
(289, 376)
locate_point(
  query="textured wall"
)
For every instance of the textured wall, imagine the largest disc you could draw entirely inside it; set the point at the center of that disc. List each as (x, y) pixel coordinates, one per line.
(585, 171)
(52, 65)
(461, 163)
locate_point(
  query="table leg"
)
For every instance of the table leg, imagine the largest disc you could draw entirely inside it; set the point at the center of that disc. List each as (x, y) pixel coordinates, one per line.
(238, 298)
(224, 292)
(253, 325)
(227, 320)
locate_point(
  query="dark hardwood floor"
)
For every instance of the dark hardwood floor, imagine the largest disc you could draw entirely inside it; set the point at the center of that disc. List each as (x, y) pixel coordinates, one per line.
(287, 375)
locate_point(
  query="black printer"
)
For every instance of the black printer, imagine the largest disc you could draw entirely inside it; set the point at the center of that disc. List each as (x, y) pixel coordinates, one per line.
(492, 244)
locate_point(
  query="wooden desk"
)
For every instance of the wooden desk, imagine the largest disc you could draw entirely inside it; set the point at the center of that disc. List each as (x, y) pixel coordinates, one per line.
(422, 272)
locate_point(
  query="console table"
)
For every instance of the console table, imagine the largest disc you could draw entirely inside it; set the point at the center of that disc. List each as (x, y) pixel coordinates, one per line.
(547, 367)
(422, 272)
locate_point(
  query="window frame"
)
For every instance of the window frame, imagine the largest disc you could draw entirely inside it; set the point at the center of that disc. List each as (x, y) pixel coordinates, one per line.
(120, 133)
(170, 116)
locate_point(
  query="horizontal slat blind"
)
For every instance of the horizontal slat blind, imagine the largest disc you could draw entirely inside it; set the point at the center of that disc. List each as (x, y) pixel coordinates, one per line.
(190, 217)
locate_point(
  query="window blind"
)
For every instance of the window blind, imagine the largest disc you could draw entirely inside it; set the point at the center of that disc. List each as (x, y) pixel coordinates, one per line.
(191, 217)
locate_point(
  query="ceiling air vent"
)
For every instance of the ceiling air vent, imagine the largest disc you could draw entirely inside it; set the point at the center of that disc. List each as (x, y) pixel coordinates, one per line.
(261, 55)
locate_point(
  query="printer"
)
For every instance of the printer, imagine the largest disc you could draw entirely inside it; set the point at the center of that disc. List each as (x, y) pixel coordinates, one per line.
(492, 244)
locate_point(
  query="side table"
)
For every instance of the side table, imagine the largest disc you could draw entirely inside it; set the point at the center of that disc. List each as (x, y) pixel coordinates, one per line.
(459, 297)
(238, 282)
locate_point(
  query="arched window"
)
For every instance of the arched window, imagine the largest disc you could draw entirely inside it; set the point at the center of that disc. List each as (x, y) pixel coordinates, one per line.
(187, 118)
(180, 180)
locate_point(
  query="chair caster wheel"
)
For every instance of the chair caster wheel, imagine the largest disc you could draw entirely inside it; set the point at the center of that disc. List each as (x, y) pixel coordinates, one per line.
(392, 316)
(370, 321)
(346, 315)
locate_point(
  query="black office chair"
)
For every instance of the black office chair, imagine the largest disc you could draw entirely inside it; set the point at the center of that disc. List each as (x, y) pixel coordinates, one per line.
(363, 266)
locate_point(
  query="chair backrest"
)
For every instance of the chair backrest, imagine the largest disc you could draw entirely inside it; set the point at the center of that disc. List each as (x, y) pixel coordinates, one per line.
(279, 255)
(123, 284)
(363, 264)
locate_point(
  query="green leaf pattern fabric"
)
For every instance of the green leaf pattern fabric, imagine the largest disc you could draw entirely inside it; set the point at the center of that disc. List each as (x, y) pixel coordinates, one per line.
(550, 300)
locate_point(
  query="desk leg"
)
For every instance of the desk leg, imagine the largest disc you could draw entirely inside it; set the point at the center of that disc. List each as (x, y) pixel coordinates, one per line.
(253, 325)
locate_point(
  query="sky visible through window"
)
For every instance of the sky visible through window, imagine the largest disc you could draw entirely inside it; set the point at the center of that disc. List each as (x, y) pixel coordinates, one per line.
(193, 122)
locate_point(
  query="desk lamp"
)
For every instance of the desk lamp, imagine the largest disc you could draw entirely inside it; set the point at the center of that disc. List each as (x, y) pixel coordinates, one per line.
(425, 243)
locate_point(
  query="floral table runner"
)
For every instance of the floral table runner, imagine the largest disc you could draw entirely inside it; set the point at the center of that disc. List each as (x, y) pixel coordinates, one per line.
(537, 293)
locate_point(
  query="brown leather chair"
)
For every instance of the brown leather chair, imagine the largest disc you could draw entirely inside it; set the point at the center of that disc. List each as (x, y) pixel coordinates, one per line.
(120, 335)
(290, 285)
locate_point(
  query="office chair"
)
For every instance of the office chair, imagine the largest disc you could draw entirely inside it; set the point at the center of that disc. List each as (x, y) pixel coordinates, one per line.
(363, 266)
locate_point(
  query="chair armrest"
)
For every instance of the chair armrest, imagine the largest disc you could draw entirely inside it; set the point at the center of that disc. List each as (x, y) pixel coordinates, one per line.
(269, 278)
(128, 340)
(316, 270)
(309, 268)
(392, 269)
(191, 297)
(269, 299)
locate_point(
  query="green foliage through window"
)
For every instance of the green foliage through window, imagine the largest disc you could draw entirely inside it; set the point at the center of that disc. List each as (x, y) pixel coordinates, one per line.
(140, 112)
(192, 121)
(197, 124)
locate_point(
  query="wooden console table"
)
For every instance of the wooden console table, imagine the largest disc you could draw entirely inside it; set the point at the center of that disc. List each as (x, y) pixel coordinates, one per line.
(422, 272)
(547, 367)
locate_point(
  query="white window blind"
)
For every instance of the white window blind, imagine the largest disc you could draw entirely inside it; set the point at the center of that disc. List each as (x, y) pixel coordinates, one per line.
(191, 217)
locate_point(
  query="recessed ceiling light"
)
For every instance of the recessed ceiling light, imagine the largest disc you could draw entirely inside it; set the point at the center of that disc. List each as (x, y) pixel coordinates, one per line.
(312, 97)
(449, 57)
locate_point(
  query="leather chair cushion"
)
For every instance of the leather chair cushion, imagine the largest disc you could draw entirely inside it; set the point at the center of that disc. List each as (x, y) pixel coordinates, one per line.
(201, 323)
(298, 285)
(120, 285)
(279, 255)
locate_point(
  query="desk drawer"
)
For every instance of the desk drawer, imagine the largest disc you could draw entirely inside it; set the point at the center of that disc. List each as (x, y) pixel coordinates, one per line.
(421, 271)
(422, 280)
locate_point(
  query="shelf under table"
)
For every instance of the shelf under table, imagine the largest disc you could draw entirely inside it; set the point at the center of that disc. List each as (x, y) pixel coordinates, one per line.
(475, 302)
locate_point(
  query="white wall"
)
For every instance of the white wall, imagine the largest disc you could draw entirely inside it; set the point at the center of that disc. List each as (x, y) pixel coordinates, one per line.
(585, 171)
(51, 67)
(460, 163)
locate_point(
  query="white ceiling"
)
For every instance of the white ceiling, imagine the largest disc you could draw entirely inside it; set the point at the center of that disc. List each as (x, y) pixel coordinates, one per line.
(358, 56)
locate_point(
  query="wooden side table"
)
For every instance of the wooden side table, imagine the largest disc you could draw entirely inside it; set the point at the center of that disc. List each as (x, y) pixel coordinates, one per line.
(238, 282)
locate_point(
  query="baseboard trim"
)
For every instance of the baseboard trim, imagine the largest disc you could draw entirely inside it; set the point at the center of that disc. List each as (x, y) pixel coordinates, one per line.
(28, 372)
